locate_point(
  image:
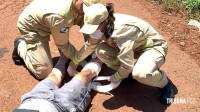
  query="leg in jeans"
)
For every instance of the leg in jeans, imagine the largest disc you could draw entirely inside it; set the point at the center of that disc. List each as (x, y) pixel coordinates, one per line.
(74, 95)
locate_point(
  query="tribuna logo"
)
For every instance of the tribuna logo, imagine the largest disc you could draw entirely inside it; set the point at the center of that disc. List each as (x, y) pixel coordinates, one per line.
(181, 100)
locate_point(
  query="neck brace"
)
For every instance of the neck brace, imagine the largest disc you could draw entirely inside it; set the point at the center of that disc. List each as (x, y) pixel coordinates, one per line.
(96, 86)
(94, 66)
(103, 88)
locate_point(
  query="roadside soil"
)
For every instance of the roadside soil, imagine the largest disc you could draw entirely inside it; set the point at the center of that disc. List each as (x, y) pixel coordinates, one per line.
(182, 63)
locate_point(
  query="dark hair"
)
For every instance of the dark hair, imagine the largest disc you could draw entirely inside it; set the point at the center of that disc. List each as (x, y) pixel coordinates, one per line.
(110, 27)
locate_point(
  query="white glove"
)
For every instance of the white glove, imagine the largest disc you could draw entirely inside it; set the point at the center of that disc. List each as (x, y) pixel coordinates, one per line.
(72, 71)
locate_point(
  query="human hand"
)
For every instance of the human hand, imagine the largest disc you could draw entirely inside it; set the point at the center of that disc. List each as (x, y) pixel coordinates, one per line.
(86, 75)
(90, 73)
(72, 69)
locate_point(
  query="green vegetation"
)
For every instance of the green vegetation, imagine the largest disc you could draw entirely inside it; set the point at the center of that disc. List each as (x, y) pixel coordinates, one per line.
(190, 8)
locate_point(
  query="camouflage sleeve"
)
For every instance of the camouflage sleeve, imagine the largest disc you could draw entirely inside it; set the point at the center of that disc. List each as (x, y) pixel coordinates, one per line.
(88, 48)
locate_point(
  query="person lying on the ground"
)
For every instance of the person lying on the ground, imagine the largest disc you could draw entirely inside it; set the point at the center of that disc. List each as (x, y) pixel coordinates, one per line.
(73, 96)
(124, 36)
(39, 20)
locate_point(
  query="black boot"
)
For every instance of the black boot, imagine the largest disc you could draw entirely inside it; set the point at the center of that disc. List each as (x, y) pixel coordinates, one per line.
(167, 94)
(15, 56)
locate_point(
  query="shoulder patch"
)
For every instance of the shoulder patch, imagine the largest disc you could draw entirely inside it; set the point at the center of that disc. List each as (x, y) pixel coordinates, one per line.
(115, 46)
(64, 29)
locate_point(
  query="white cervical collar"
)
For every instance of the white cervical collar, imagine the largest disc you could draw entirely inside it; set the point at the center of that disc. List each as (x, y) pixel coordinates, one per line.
(96, 86)
(103, 88)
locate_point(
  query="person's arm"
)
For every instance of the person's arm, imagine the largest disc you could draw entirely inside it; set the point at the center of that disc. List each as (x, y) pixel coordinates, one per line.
(88, 48)
(89, 45)
(126, 58)
(60, 27)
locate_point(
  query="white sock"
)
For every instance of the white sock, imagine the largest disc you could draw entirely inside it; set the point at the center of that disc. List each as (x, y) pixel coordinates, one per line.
(72, 71)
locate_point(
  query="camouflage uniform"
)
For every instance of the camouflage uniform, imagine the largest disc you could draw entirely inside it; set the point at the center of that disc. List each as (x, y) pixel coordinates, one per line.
(40, 19)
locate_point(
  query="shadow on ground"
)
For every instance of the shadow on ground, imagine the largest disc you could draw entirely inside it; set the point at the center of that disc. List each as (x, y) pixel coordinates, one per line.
(3, 51)
(135, 95)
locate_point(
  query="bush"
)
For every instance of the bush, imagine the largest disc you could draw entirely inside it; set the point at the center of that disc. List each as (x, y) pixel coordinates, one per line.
(191, 8)
(191, 5)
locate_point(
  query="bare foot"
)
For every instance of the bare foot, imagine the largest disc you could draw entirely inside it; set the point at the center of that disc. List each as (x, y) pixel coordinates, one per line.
(86, 75)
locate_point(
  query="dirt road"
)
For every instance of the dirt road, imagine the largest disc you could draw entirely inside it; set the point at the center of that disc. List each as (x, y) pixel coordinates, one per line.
(182, 63)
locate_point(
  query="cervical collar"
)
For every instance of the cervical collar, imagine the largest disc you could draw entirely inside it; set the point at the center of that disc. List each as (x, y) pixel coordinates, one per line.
(103, 88)
(96, 85)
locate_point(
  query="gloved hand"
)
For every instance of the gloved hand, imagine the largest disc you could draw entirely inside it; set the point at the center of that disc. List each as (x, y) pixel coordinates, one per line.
(73, 65)
(72, 69)
(116, 78)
